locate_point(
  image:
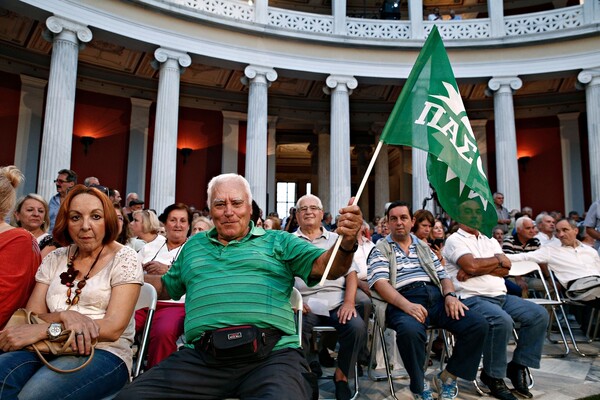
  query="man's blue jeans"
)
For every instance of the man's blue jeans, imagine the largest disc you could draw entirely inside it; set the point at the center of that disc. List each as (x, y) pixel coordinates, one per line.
(352, 337)
(501, 313)
(411, 336)
(22, 374)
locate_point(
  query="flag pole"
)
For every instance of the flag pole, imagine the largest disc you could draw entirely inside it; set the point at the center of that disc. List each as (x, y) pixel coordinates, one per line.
(355, 202)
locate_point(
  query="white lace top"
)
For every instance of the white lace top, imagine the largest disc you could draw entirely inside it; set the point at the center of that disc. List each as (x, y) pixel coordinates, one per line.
(122, 269)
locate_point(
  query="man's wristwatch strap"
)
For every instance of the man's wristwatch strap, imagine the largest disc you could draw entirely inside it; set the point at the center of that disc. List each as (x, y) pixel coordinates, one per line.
(351, 251)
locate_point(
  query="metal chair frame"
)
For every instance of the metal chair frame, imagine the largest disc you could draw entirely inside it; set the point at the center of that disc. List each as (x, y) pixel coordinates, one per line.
(378, 335)
(147, 298)
(325, 328)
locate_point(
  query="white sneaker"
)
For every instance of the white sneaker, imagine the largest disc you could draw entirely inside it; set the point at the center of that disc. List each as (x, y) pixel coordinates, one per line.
(427, 394)
(446, 390)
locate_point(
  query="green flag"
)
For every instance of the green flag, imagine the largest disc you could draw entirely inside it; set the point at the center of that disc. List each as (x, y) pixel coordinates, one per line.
(431, 116)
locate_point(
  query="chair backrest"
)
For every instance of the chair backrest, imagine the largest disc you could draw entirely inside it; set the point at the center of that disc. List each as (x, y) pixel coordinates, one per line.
(296, 303)
(147, 298)
(520, 268)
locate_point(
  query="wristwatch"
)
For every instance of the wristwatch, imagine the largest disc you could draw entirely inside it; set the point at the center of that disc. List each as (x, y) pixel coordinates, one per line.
(54, 330)
(452, 294)
(351, 251)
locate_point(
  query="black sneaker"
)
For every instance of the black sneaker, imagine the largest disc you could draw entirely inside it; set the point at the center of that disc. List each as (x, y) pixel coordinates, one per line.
(315, 368)
(518, 376)
(342, 390)
(497, 387)
(325, 358)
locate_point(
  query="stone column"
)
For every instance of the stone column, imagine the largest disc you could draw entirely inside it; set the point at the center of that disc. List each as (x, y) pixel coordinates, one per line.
(506, 139)
(231, 133)
(340, 88)
(324, 148)
(338, 9)
(591, 79)
(29, 131)
(571, 162)
(363, 158)
(271, 166)
(138, 147)
(382, 176)
(420, 183)
(164, 155)
(415, 14)
(258, 78)
(496, 13)
(66, 37)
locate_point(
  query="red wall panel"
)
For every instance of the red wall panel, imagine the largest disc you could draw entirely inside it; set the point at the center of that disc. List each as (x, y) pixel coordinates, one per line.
(106, 119)
(541, 179)
(202, 132)
(10, 95)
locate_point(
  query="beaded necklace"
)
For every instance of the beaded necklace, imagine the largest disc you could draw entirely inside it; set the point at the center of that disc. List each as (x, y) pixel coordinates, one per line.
(67, 278)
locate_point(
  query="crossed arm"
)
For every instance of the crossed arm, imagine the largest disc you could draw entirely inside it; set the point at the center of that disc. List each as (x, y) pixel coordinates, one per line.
(498, 265)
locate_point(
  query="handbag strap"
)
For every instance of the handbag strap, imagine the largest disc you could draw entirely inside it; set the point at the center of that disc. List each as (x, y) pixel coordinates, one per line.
(33, 319)
(59, 370)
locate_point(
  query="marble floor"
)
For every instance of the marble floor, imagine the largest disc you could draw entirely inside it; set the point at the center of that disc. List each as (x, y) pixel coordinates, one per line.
(559, 378)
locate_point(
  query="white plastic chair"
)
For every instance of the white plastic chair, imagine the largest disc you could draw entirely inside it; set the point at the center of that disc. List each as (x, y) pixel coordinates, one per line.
(296, 303)
(147, 299)
(520, 268)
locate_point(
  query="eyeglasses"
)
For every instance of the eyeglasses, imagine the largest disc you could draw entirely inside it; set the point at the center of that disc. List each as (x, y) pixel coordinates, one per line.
(60, 181)
(304, 209)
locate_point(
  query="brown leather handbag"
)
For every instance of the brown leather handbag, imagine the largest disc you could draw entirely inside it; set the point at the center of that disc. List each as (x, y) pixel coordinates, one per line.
(60, 346)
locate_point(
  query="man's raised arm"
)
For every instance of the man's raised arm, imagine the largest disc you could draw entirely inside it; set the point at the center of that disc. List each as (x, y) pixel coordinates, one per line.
(348, 226)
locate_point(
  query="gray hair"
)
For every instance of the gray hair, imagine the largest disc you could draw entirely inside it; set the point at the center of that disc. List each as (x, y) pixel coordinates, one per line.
(540, 217)
(520, 221)
(227, 178)
(307, 197)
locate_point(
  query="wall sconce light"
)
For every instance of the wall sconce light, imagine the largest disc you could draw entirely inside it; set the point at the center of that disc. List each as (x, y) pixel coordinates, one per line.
(523, 161)
(185, 152)
(86, 141)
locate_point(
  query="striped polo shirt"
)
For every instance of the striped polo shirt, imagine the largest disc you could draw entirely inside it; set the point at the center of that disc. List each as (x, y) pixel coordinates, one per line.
(408, 266)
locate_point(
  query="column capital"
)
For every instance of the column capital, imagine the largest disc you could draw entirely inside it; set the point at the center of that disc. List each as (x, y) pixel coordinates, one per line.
(57, 25)
(31, 81)
(137, 102)
(162, 54)
(589, 76)
(259, 73)
(340, 82)
(320, 128)
(504, 84)
(571, 116)
(234, 115)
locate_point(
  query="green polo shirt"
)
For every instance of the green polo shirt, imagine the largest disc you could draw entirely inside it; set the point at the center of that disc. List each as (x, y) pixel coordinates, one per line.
(246, 282)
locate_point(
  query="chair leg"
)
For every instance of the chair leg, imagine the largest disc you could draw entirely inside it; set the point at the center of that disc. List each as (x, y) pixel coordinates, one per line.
(564, 314)
(386, 360)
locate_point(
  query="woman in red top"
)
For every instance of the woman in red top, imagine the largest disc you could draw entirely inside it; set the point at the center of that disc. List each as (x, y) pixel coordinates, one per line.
(19, 251)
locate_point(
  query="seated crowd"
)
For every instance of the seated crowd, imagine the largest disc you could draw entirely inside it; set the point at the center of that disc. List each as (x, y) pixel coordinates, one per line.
(226, 273)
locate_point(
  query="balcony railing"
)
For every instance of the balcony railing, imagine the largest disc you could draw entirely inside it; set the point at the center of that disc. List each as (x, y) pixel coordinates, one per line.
(546, 25)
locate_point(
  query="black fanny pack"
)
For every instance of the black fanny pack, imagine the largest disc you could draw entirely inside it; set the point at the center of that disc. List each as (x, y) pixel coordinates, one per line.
(239, 343)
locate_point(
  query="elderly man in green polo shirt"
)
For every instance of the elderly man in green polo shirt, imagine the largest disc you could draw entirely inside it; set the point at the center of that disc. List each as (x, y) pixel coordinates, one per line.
(239, 276)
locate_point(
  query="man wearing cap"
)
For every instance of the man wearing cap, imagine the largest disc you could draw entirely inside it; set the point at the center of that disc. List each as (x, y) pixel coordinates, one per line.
(134, 205)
